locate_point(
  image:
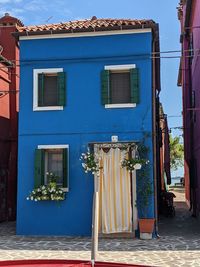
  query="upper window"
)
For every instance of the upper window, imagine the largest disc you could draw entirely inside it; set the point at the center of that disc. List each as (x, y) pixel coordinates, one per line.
(51, 159)
(49, 89)
(120, 86)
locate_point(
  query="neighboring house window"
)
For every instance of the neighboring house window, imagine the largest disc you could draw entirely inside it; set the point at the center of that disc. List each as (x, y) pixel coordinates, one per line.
(49, 89)
(51, 158)
(120, 86)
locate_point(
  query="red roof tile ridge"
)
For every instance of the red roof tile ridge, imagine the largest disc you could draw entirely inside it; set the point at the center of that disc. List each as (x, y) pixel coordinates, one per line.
(86, 24)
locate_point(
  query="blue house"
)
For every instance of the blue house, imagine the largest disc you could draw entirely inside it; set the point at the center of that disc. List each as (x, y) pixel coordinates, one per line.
(88, 84)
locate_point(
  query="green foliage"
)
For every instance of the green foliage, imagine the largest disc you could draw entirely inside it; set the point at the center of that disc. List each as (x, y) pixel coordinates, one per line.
(51, 178)
(133, 164)
(51, 191)
(144, 183)
(176, 152)
(47, 192)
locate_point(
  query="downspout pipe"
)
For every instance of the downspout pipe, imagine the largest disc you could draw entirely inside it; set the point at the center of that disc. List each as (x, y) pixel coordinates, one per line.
(155, 92)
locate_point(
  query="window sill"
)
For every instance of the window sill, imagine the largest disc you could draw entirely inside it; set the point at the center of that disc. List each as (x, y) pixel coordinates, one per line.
(47, 108)
(65, 189)
(128, 105)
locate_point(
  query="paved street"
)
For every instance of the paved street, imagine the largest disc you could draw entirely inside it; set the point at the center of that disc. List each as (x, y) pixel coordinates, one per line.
(178, 245)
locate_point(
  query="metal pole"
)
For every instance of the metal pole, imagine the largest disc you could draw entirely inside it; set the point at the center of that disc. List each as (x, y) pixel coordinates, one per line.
(95, 227)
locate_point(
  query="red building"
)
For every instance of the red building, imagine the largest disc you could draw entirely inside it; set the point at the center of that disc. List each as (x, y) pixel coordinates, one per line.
(9, 88)
(189, 79)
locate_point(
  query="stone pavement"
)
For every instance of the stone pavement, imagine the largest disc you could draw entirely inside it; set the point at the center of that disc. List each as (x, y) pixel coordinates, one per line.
(178, 245)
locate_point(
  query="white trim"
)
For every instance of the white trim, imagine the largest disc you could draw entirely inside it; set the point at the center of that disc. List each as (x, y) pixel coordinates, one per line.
(52, 146)
(47, 108)
(65, 189)
(120, 67)
(128, 105)
(82, 34)
(35, 89)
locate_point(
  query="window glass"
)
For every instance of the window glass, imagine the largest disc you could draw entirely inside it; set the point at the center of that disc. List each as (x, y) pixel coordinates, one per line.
(54, 164)
(50, 90)
(120, 87)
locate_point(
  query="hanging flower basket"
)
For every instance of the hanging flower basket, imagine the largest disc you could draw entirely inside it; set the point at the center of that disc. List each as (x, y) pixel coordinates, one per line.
(133, 164)
(90, 163)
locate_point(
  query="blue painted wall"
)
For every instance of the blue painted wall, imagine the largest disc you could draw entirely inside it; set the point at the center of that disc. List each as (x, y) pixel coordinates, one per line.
(83, 120)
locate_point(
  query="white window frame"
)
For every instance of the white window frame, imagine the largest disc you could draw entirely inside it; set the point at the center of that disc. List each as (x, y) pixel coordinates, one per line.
(65, 189)
(120, 68)
(35, 89)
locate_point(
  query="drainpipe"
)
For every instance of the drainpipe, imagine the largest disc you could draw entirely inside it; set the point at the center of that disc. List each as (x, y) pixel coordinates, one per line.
(192, 169)
(155, 36)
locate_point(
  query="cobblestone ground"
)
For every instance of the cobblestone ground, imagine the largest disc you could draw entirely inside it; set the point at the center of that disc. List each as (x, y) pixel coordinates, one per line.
(178, 245)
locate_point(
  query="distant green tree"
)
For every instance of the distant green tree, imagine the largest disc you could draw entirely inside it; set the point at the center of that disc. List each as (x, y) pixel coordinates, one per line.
(176, 152)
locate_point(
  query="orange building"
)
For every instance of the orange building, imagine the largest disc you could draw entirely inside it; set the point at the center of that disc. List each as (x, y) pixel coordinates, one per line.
(9, 88)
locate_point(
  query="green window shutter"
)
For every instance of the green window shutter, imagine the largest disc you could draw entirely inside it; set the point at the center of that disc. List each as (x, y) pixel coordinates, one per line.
(135, 90)
(105, 87)
(61, 88)
(41, 89)
(65, 167)
(39, 168)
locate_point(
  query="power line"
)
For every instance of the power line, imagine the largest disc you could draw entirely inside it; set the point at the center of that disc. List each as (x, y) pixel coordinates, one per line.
(174, 116)
(136, 55)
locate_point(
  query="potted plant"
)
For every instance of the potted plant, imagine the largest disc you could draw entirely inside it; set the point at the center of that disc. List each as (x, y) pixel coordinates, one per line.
(144, 185)
(146, 224)
(90, 163)
(145, 191)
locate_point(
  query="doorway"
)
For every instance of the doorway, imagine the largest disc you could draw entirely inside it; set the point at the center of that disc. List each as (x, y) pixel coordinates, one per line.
(117, 191)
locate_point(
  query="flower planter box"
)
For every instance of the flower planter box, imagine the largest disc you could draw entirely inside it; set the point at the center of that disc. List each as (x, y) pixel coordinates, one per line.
(146, 227)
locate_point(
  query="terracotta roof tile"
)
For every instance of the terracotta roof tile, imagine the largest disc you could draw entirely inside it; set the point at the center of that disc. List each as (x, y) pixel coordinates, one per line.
(86, 25)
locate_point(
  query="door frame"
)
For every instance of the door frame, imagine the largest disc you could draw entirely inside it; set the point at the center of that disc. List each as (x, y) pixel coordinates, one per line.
(96, 147)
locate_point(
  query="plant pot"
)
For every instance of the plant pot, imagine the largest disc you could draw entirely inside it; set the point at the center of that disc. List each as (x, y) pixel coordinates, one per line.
(146, 228)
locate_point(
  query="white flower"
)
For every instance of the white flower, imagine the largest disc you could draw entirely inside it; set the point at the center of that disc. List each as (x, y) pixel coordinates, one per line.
(27, 198)
(83, 165)
(137, 166)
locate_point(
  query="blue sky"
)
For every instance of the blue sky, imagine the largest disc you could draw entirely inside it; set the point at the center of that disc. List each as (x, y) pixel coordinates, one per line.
(164, 12)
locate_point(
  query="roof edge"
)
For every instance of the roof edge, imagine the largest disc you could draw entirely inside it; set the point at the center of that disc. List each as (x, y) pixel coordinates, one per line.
(151, 25)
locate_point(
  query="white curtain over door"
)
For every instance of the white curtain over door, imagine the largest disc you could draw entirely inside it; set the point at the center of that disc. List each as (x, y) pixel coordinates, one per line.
(115, 193)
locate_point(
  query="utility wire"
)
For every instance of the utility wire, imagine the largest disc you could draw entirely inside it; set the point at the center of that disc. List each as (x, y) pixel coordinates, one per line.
(136, 55)
(67, 59)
